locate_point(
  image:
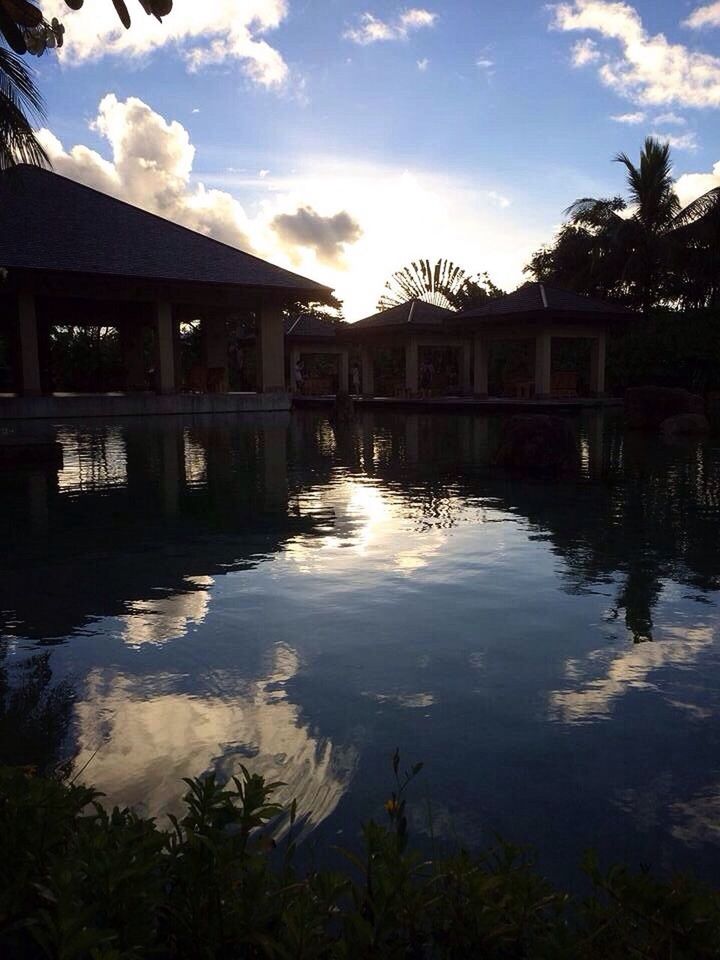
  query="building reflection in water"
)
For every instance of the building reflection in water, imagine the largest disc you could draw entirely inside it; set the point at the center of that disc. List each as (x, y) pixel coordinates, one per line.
(133, 540)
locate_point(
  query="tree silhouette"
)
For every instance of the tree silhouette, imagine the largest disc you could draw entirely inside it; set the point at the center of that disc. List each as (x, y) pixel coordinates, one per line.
(434, 283)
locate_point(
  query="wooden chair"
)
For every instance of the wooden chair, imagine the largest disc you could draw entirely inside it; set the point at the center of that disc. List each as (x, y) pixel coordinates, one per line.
(564, 384)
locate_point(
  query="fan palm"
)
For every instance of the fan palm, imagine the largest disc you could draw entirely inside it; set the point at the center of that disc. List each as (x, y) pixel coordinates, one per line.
(436, 283)
(635, 243)
(20, 105)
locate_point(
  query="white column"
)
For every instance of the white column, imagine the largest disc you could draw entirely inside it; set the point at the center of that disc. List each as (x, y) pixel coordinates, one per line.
(411, 366)
(343, 372)
(482, 353)
(543, 359)
(165, 347)
(271, 349)
(597, 364)
(465, 388)
(28, 342)
(368, 372)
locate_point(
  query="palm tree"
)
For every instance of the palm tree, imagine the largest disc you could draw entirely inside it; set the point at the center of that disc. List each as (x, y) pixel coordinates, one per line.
(636, 245)
(436, 283)
(20, 105)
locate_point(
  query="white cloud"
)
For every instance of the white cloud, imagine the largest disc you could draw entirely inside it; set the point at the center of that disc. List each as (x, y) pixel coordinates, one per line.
(327, 236)
(422, 65)
(647, 68)
(226, 30)
(707, 15)
(630, 118)
(584, 52)
(670, 118)
(679, 141)
(690, 186)
(498, 198)
(484, 63)
(371, 29)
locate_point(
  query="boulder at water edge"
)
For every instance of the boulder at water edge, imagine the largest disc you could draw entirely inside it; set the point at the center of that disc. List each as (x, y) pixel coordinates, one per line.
(646, 408)
(686, 424)
(539, 443)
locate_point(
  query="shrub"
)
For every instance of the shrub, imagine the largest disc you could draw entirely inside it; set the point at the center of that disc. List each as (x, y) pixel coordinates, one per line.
(80, 882)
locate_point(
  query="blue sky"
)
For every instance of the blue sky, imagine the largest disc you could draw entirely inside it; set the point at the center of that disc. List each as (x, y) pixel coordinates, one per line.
(342, 138)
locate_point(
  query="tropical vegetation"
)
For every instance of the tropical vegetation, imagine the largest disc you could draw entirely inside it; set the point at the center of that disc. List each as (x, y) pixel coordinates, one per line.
(643, 249)
(442, 283)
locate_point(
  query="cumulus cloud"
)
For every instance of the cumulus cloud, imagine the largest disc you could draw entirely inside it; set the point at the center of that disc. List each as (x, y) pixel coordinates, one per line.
(643, 67)
(673, 118)
(371, 29)
(708, 15)
(327, 236)
(690, 186)
(422, 65)
(630, 118)
(151, 165)
(226, 30)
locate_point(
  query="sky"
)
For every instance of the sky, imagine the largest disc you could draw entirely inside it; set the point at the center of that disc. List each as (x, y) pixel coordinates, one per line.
(345, 138)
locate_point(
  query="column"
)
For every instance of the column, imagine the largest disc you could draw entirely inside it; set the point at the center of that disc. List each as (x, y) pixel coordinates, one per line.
(597, 364)
(368, 372)
(271, 349)
(215, 352)
(294, 358)
(411, 366)
(133, 355)
(481, 349)
(343, 372)
(465, 387)
(274, 444)
(164, 347)
(543, 358)
(28, 343)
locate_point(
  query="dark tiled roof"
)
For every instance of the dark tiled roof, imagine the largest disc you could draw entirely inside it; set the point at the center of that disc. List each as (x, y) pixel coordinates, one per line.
(416, 312)
(539, 297)
(49, 222)
(312, 327)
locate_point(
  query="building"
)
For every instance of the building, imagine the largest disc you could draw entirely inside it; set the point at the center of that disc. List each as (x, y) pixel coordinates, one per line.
(71, 255)
(458, 348)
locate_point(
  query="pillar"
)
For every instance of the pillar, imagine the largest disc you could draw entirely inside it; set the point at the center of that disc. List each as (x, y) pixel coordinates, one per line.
(294, 359)
(133, 355)
(465, 386)
(274, 452)
(597, 365)
(411, 366)
(481, 349)
(543, 360)
(368, 372)
(271, 349)
(164, 347)
(344, 372)
(28, 344)
(215, 352)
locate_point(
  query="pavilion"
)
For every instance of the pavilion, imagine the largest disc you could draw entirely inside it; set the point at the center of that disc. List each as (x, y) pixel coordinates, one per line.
(70, 255)
(409, 328)
(535, 313)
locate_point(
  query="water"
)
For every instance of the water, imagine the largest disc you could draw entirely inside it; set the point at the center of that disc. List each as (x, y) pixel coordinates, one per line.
(266, 591)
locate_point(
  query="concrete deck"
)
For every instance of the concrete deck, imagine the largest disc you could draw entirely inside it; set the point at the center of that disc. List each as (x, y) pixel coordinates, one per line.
(467, 404)
(85, 405)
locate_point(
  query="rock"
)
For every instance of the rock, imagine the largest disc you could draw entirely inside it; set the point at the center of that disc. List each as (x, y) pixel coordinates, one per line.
(538, 442)
(646, 408)
(686, 424)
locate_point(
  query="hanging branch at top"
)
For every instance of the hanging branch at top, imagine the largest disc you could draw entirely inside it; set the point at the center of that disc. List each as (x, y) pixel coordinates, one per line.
(26, 30)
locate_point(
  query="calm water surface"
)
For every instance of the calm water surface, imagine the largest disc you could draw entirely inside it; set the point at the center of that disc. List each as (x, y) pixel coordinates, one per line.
(275, 592)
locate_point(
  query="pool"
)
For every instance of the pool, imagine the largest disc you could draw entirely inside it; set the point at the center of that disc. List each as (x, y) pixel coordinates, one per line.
(271, 591)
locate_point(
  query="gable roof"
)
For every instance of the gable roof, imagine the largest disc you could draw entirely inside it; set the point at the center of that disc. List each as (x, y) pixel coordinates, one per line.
(540, 298)
(49, 222)
(419, 313)
(312, 327)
